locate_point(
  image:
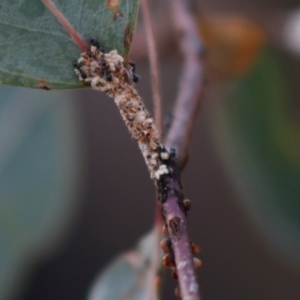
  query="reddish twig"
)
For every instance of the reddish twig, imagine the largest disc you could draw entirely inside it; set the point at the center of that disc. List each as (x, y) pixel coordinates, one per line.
(66, 25)
(186, 109)
(153, 66)
(174, 214)
(192, 80)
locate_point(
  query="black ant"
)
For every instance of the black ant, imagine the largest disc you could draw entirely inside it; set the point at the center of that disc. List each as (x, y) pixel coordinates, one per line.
(104, 66)
(109, 77)
(135, 77)
(103, 63)
(95, 43)
(77, 67)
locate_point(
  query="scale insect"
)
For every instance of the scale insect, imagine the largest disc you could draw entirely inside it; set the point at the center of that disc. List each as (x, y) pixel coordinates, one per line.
(106, 72)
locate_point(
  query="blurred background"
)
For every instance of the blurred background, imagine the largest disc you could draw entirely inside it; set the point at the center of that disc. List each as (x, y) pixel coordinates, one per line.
(75, 191)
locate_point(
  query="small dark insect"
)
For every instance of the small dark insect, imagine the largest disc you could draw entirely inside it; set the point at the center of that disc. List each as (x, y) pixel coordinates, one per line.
(132, 65)
(104, 66)
(102, 63)
(135, 77)
(77, 67)
(172, 152)
(109, 77)
(75, 64)
(96, 44)
(93, 42)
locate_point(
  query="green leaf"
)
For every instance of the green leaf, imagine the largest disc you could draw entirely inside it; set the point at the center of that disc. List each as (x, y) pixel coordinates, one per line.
(34, 46)
(40, 167)
(260, 134)
(129, 275)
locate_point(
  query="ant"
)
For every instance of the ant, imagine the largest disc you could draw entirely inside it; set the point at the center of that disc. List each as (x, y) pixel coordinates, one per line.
(109, 77)
(104, 68)
(135, 77)
(95, 43)
(77, 67)
(103, 64)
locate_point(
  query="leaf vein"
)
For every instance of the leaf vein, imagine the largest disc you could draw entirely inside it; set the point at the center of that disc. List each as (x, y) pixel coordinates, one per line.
(34, 78)
(35, 30)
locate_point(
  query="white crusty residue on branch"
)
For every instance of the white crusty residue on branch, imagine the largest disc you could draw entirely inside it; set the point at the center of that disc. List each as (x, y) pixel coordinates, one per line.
(106, 72)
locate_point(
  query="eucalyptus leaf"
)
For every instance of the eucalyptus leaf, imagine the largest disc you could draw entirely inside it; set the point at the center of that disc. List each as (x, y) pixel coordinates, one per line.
(40, 167)
(34, 46)
(259, 136)
(129, 275)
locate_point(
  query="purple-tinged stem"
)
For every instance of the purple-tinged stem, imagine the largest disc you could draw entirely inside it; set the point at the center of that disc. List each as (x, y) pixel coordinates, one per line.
(170, 191)
(185, 113)
(192, 80)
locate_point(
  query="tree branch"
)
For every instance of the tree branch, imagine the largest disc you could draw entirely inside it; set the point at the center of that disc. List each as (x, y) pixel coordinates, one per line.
(191, 83)
(185, 113)
(174, 212)
(105, 72)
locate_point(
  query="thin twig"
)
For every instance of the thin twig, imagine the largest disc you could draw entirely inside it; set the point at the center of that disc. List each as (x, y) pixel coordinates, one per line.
(186, 109)
(155, 78)
(192, 80)
(175, 216)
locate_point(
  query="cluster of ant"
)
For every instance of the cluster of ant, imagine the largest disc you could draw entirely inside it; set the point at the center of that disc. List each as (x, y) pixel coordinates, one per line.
(105, 71)
(96, 67)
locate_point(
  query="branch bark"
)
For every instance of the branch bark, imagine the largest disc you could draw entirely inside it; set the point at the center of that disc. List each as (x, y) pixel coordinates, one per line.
(171, 196)
(185, 113)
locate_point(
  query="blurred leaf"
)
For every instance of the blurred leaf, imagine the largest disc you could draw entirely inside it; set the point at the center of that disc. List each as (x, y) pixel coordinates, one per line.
(291, 32)
(39, 167)
(128, 277)
(260, 130)
(233, 44)
(35, 47)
